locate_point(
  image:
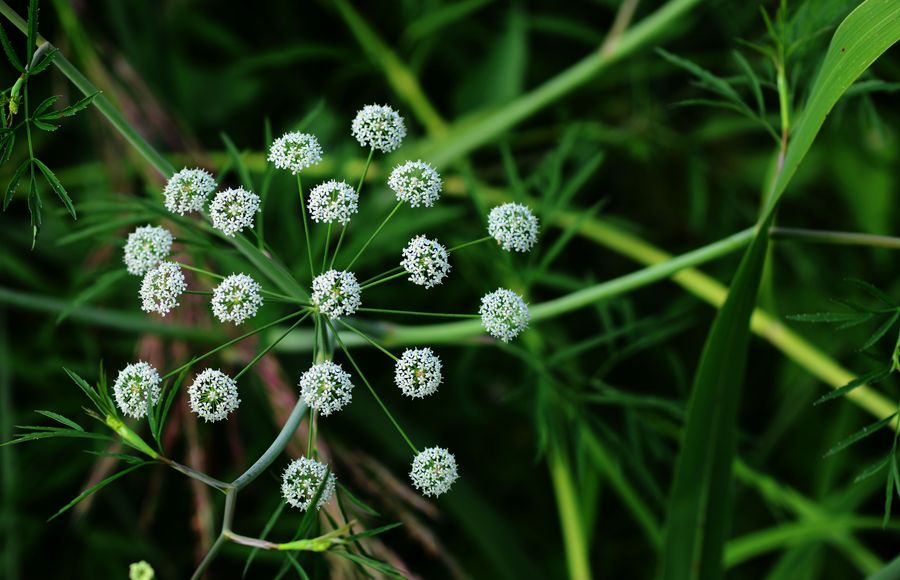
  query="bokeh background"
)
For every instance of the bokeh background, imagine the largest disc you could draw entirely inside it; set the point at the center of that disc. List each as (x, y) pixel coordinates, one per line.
(602, 400)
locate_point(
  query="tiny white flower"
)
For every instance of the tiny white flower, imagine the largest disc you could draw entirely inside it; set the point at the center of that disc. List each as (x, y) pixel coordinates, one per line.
(233, 210)
(416, 182)
(236, 298)
(379, 127)
(418, 372)
(326, 387)
(301, 481)
(141, 571)
(504, 314)
(146, 247)
(434, 471)
(213, 395)
(336, 293)
(136, 389)
(188, 189)
(161, 288)
(295, 152)
(426, 261)
(513, 226)
(333, 201)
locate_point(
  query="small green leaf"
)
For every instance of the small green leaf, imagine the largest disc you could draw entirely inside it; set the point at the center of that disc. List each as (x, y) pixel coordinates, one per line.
(871, 290)
(35, 205)
(49, 127)
(869, 378)
(95, 488)
(71, 110)
(882, 330)
(59, 418)
(872, 469)
(45, 104)
(32, 28)
(853, 317)
(92, 394)
(98, 286)
(10, 51)
(7, 144)
(861, 434)
(14, 182)
(57, 187)
(46, 61)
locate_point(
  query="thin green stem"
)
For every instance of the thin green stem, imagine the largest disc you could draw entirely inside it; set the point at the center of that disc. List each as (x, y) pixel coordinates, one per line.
(337, 248)
(310, 429)
(467, 244)
(829, 237)
(275, 449)
(266, 350)
(372, 390)
(231, 342)
(383, 274)
(325, 253)
(208, 559)
(377, 282)
(193, 473)
(369, 339)
(312, 271)
(201, 271)
(374, 235)
(200, 292)
(359, 185)
(416, 313)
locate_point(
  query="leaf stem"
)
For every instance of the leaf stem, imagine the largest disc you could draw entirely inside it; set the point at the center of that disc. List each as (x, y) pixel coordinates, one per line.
(369, 339)
(372, 237)
(312, 271)
(381, 281)
(266, 350)
(417, 313)
(831, 237)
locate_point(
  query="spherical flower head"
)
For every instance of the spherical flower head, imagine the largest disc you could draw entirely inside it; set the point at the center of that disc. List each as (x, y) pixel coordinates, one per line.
(236, 299)
(434, 471)
(418, 373)
(333, 201)
(379, 127)
(295, 152)
(233, 210)
(336, 293)
(136, 389)
(161, 288)
(426, 261)
(302, 480)
(187, 190)
(146, 247)
(504, 314)
(513, 226)
(213, 395)
(326, 387)
(416, 182)
(141, 571)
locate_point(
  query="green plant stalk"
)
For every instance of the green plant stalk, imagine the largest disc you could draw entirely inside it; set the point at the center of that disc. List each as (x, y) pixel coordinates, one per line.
(574, 535)
(837, 238)
(374, 235)
(275, 449)
(129, 437)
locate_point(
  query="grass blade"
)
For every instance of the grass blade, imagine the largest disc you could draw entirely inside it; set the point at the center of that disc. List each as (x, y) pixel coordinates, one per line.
(95, 488)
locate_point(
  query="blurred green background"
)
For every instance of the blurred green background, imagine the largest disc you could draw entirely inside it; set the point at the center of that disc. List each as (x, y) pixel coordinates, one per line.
(604, 399)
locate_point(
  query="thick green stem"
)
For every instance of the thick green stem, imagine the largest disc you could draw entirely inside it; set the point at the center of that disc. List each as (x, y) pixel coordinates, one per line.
(275, 449)
(574, 536)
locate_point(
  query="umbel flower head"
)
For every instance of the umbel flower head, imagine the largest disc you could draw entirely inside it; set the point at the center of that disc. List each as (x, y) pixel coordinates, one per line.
(333, 201)
(416, 182)
(336, 293)
(295, 152)
(326, 387)
(504, 314)
(146, 247)
(236, 299)
(302, 480)
(141, 571)
(136, 389)
(426, 261)
(161, 288)
(513, 226)
(434, 471)
(213, 395)
(187, 190)
(418, 372)
(379, 127)
(233, 210)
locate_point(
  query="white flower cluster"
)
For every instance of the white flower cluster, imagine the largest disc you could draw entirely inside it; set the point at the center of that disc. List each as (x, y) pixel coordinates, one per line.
(146, 247)
(233, 210)
(336, 293)
(295, 152)
(434, 471)
(333, 201)
(416, 183)
(213, 395)
(418, 373)
(236, 298)
(187, 190)
(326, 387)
(513, 226)
(427, 261)
(302, 480)
(161, 288)
(379, 127)
(136, 389)
(504, 314)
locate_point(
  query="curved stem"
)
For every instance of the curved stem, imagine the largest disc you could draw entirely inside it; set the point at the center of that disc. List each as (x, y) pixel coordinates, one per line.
(275, 449)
